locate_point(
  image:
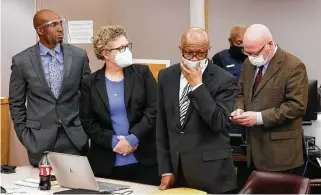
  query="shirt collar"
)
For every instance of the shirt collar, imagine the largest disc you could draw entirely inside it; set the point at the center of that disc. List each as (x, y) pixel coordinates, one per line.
(44, 50)
(202, 68)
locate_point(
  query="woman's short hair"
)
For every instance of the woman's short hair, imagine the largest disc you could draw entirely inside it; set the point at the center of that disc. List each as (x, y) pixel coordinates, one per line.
(105, 36)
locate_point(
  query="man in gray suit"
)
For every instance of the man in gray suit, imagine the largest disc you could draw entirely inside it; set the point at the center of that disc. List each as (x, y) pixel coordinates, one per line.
(48, 76)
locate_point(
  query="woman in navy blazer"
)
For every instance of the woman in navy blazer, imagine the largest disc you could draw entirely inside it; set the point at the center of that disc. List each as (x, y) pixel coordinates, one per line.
(118, 112)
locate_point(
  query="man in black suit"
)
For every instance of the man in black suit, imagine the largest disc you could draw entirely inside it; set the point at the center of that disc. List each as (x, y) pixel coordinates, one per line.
(195, 98)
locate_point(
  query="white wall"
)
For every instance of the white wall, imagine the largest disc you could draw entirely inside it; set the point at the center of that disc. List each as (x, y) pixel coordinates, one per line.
(17, 34)
(154, 26)
(295, 25)
(99, 11)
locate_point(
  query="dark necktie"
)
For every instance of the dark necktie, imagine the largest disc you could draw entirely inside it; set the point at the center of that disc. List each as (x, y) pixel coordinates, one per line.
(258, 78)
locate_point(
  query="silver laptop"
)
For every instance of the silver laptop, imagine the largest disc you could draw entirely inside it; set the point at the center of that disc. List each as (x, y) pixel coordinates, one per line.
(75, 172)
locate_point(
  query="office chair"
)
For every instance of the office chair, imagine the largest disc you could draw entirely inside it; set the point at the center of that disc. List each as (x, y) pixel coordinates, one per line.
(261, 182)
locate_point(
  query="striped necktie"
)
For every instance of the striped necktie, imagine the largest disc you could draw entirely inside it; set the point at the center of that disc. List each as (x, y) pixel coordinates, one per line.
(54, 74)
(184, 103)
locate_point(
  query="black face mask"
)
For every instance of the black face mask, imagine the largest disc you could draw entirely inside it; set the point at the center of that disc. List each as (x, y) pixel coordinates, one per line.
(237, 52)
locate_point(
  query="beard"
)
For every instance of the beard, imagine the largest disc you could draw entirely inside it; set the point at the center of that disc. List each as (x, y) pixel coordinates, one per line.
(53, 39)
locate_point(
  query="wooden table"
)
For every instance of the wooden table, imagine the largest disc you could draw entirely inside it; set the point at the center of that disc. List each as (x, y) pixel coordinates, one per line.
(8, 180)
(5, 130)
(239, 158)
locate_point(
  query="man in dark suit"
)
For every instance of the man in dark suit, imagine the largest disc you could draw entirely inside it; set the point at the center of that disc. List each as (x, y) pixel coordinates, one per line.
(48, 76)
(272, 100)
(232, 59)
(194, 100)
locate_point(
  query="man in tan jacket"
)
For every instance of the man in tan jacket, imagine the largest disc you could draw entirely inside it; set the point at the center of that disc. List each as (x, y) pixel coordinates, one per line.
(272, 100)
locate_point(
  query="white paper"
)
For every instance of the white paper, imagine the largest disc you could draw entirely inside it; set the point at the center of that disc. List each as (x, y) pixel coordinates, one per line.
(80, 31)
(34, 183)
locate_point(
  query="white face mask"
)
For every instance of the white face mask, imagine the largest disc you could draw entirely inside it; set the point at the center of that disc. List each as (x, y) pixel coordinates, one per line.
(193, 64)
(258, 60)
(124, 59)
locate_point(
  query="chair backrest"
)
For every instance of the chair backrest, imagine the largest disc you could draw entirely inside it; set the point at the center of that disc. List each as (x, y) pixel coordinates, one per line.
(262, 182)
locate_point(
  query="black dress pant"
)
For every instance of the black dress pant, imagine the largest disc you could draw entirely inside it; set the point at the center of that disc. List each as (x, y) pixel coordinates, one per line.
(180, 180)
(62, 145)
(136, 173)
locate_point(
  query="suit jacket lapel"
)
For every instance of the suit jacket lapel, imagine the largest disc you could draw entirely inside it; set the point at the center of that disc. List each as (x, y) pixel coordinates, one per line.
(129, 80)
(176, 87)
(101, 87)
(251, 80)
(207, 77)
(67, 65)
(36, 62)
(273, 68)
(208, 72)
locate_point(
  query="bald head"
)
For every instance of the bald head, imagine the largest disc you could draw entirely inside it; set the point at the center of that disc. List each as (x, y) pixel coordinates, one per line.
(257, 41)
(193, 35)
(257, 35)
(49, 27)
(236, 36)
(44, 16)
(195, 41)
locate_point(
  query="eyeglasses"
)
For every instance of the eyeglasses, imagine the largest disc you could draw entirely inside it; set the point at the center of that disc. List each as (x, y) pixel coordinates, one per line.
(53, 23)
(122, 48)
(190, 55)
(255, 54)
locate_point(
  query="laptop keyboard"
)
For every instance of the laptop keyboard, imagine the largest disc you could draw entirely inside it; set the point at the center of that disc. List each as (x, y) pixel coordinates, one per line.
(110, 187)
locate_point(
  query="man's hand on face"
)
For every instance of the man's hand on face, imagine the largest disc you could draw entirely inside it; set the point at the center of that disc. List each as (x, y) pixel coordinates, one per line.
(193, 76)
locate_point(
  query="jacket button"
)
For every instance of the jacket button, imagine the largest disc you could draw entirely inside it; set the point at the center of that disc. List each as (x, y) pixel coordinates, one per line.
(177, 153)
(182, 132)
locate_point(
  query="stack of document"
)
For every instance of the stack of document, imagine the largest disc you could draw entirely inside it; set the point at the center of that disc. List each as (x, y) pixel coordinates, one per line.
(33, 183)
(179, 191)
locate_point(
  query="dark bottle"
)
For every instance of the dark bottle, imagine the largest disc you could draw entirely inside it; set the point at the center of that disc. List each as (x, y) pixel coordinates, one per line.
(44, 173)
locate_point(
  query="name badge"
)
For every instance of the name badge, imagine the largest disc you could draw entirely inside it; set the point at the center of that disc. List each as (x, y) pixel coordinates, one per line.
(230, 66)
